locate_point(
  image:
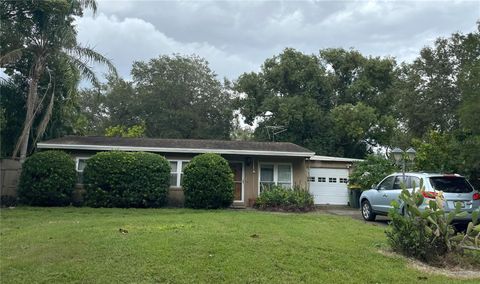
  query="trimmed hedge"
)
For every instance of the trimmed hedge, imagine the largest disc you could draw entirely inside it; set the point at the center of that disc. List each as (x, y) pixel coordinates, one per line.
(47, 179)
(208, 182)
(278, 198)
(124, 179)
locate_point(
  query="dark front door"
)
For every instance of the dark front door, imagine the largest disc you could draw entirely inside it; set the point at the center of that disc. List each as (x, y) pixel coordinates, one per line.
(237, 169)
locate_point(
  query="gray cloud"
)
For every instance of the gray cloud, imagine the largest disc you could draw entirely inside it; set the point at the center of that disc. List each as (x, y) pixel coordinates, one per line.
(237, 36)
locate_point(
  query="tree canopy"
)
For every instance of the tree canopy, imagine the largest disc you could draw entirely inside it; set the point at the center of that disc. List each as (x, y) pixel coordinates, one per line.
(336, 102)
(37, 42)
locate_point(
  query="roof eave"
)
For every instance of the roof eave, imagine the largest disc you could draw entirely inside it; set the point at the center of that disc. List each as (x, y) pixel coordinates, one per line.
(333, 159)
(172, 150)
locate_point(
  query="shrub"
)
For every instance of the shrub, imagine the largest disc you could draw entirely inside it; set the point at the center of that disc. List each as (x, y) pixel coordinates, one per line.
(8, 201)
(278, 198)
(208, 182)
(370, 172)
(123, 179)
(47, 179)
(428, 234)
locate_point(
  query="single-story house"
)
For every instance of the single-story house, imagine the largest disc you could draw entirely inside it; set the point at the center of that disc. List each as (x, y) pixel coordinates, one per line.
(254, 164)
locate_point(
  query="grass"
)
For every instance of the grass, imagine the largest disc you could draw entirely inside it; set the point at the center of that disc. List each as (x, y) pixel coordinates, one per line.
(58, 245)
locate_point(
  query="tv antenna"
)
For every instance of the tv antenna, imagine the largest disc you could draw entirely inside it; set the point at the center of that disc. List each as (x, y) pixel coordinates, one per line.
(275, 130)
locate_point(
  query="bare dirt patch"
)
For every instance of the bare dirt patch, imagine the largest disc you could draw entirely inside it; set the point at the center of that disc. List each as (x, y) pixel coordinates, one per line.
(452, 272)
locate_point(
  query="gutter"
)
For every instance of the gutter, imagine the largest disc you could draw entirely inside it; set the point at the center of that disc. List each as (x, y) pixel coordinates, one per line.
(172, 150)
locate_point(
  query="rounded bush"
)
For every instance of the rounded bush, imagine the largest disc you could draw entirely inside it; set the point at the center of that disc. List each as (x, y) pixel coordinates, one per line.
(208, 182)
(47, 179)
(125, 179)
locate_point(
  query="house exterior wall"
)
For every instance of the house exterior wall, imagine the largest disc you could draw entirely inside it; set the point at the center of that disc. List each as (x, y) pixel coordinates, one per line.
(331, 165)
(251, 174)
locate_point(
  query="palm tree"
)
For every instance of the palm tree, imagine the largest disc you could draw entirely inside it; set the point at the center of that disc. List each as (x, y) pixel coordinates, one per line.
(46, 32)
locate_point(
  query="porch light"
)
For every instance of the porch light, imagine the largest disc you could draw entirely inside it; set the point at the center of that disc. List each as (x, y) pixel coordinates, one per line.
(397, 154)
(411, 153)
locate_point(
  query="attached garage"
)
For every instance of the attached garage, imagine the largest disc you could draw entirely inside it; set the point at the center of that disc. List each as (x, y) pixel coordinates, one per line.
(328, 179)
(329, 186)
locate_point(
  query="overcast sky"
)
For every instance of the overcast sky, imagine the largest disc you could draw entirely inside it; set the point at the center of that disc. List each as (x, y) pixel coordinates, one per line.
(237, 36)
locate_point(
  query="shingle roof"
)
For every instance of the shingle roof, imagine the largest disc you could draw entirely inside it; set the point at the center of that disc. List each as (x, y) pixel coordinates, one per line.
(99, 143)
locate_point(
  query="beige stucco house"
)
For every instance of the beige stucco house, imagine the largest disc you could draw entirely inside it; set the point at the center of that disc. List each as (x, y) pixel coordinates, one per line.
(254, 164)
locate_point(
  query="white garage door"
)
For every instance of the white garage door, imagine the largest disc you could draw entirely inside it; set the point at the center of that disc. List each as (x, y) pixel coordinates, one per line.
(329, 186)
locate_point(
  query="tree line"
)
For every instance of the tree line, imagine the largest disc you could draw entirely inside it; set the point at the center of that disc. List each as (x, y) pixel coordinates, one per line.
(337, 102)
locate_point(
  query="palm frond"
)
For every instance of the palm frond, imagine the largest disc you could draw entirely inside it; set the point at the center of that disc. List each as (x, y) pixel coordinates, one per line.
(92, 4)
(11, 56)
(86, 53)
(7, 82)
(85, 70)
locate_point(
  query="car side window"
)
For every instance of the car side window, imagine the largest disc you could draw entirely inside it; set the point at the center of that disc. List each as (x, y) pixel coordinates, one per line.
(387, 184)
(413, 182)
(397, 184)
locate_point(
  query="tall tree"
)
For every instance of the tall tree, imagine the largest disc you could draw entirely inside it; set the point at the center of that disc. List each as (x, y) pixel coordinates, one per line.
(439, 104)
(180, 97)
(430, 89)
(359, 127)
(298, 92)
(356, 78)
(291, 97)
(41, 34)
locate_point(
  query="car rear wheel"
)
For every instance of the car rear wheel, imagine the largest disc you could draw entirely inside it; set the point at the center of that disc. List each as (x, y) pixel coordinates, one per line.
(367, 212)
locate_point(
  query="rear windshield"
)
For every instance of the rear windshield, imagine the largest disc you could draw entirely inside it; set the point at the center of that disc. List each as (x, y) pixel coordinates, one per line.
(451, 184)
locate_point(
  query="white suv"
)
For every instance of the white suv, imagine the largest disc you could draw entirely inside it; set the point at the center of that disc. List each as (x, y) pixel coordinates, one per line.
(455, 188)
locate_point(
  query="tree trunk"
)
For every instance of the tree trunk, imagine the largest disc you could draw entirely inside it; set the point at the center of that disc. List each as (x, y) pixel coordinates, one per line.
(32, 100)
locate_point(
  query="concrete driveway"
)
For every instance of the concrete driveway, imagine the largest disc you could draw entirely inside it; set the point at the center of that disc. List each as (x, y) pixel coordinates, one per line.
(351, 212)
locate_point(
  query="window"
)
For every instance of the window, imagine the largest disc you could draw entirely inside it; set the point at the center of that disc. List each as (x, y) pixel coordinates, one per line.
(397, 184)
(343, 180)
(284, 175)
(275, 174)
(176, 172)
(451, 184)
(408, 182)
(80, 163)
(332, 180)
(322, 179)
(387, 183)
(413, 182)
(311, 179)
(267, 176)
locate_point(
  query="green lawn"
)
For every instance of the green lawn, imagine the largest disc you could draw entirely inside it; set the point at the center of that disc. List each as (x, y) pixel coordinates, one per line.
(178, 245)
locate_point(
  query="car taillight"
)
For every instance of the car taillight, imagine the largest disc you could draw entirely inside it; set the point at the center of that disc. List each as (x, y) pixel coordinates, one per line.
(429, 194)
(476, 196)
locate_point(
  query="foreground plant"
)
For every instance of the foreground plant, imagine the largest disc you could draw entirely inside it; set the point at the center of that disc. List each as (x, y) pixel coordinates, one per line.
(427, 233)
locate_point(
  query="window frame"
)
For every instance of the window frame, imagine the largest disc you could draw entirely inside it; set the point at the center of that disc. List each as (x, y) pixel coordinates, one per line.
(77, 170)
(384, 180)
(179, 172)
(77, 162)
(275, 173)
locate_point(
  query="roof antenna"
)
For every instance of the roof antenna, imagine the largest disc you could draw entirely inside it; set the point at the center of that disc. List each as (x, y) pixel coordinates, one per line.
(275, 129)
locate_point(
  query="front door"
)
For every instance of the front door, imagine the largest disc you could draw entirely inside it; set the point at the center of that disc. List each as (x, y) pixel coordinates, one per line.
(237, 169)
